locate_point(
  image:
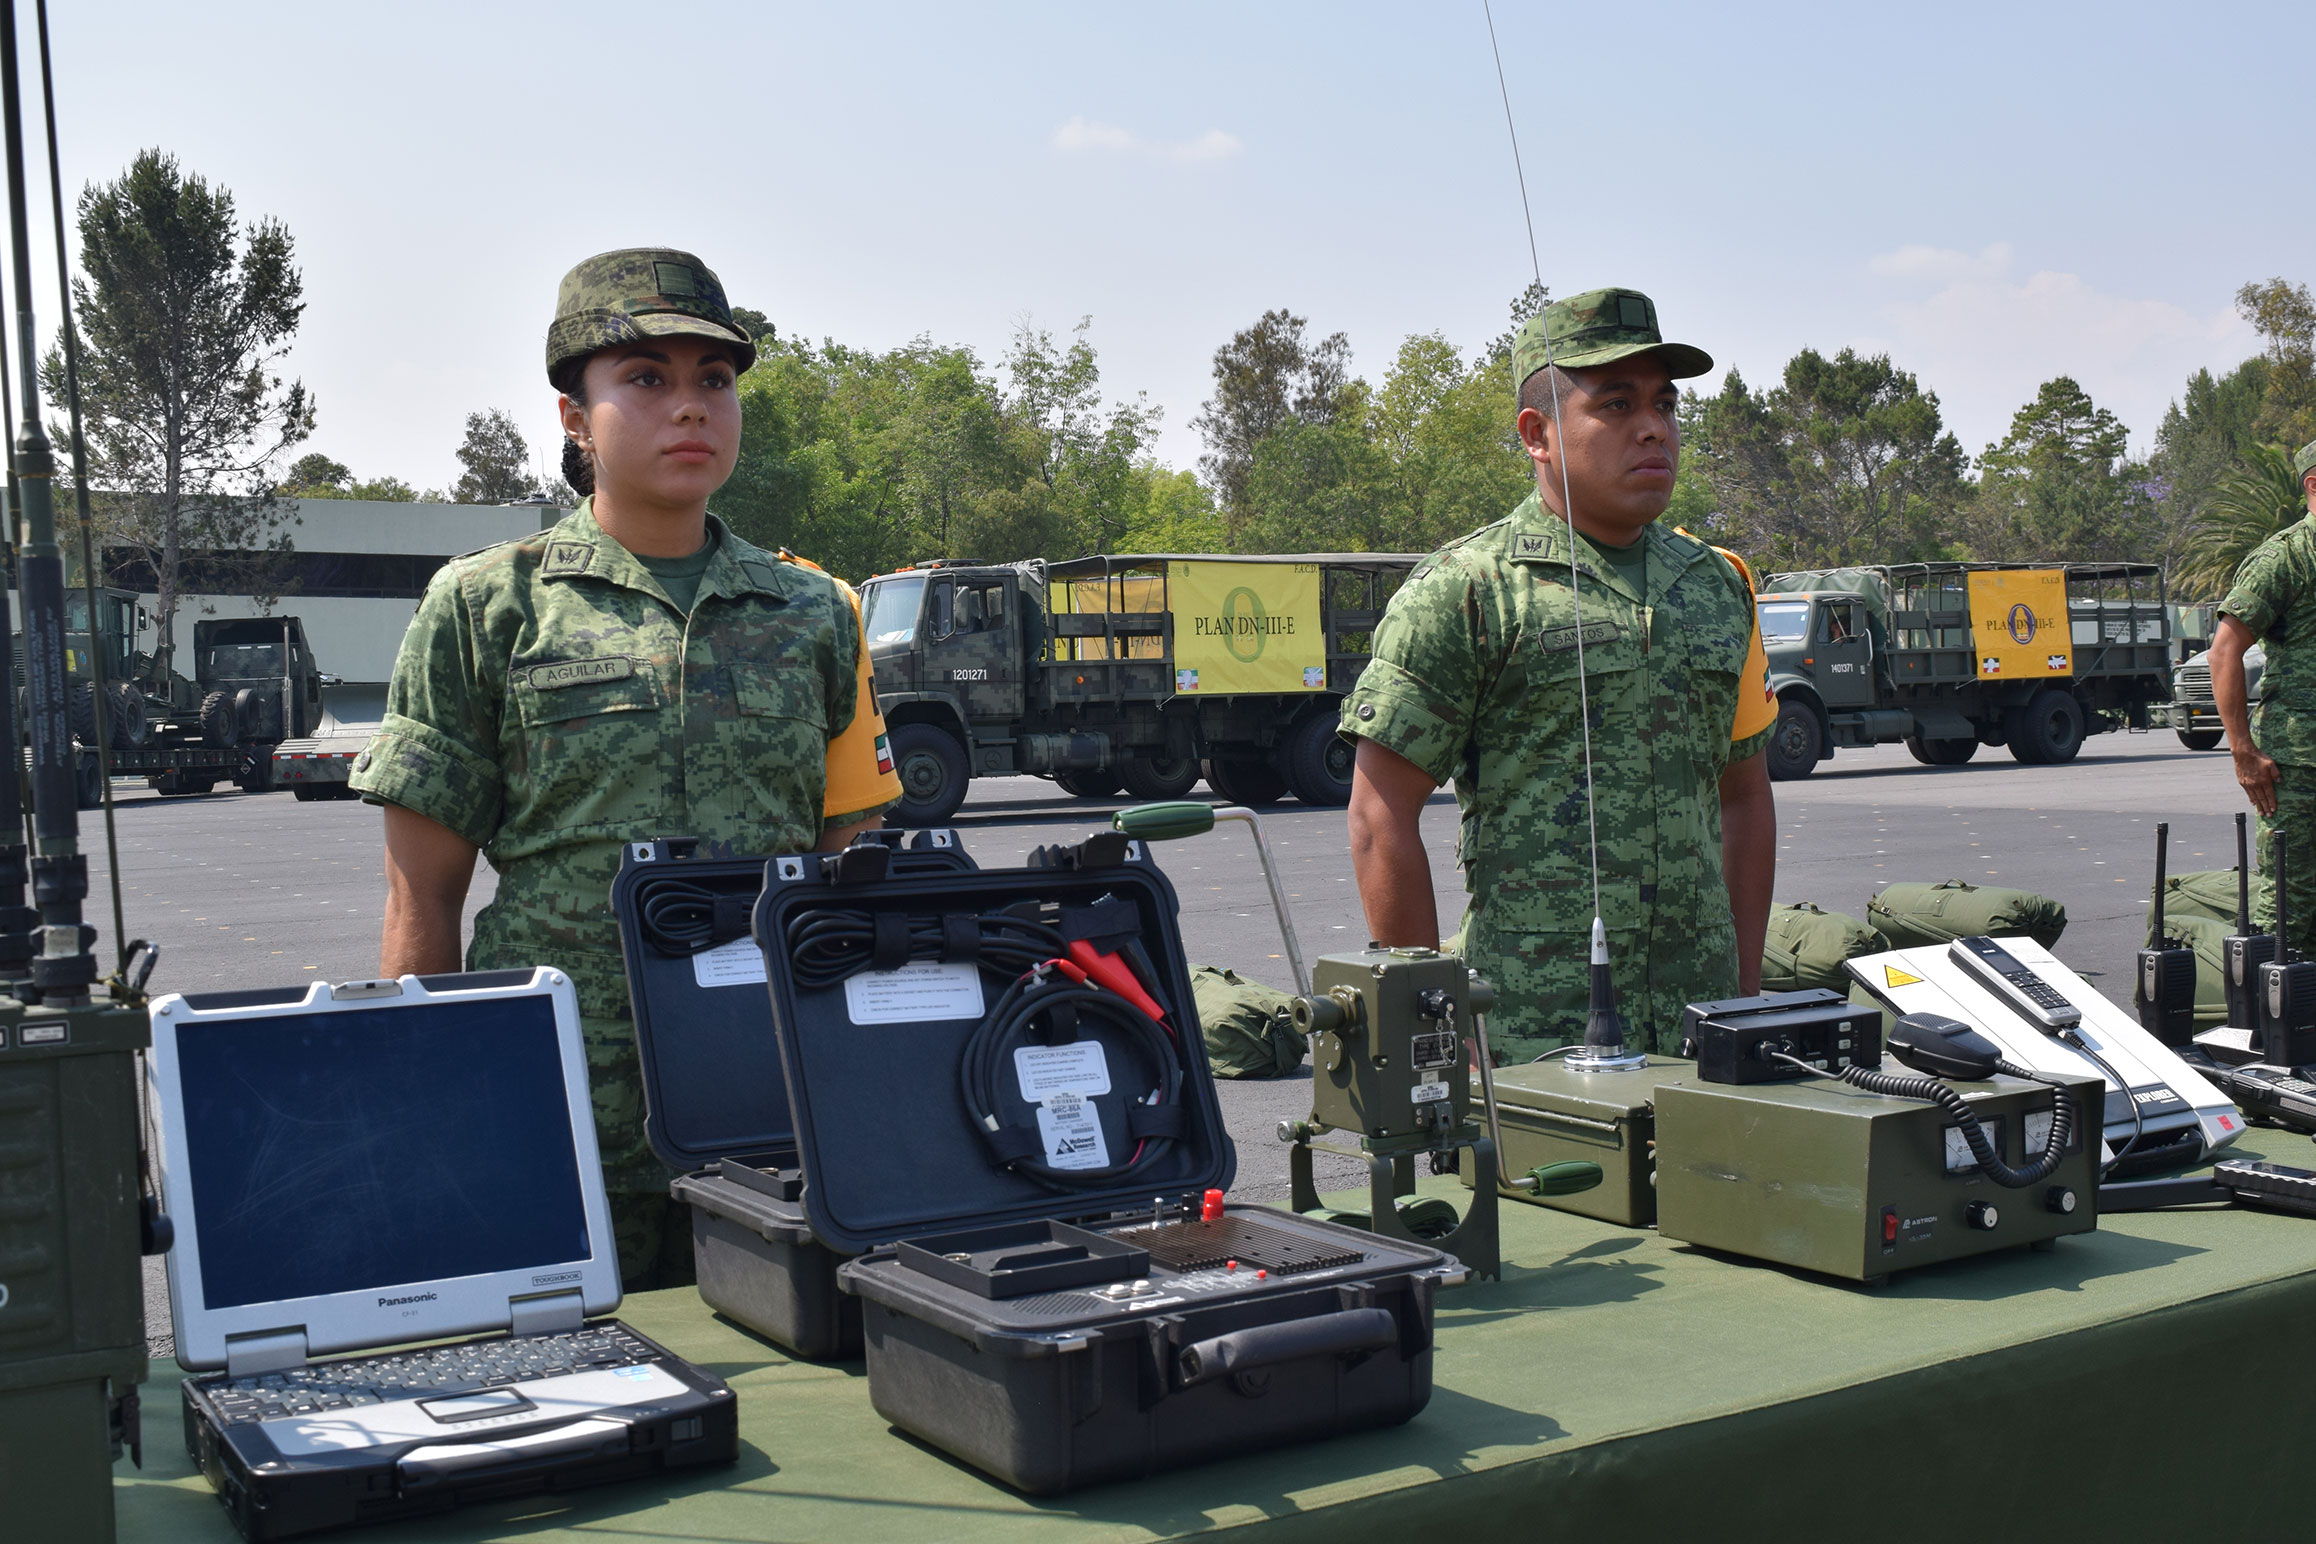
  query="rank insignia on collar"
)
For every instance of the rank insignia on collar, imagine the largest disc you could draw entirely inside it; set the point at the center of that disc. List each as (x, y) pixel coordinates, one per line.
(1532, 546)
(567, 557)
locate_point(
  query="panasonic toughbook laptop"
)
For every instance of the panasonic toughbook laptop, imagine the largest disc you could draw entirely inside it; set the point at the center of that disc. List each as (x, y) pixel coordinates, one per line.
(375, 1163)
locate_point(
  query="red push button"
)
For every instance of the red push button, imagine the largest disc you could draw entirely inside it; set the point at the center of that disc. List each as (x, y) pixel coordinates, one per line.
(1210, 1208)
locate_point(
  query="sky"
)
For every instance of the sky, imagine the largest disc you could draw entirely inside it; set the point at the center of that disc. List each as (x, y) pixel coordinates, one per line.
(1991, 194)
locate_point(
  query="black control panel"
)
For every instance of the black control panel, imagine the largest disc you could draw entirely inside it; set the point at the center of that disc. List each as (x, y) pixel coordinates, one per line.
(1739, 1039)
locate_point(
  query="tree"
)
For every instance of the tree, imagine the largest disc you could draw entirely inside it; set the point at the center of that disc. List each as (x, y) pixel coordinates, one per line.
(184, 321)
(316, 476)
(1846, 460)
(1265, 377)
(2058, 485)
(2285, 315)
(2251, 504)
(497, 462)
(2198, 443)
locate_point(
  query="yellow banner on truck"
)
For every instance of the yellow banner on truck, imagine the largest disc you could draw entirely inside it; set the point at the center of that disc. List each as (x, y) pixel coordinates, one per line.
(2018, 623)
(1246, 627)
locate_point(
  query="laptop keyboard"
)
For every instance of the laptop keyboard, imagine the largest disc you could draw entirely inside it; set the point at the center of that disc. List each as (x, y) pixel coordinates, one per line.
(426, 1373)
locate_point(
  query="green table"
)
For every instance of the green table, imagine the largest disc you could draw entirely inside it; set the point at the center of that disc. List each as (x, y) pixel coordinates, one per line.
(1610, 1381)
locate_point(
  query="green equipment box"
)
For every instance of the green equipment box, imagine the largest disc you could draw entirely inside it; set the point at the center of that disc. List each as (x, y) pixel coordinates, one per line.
(1550, 1114)
(72, 1310)
(1827, 1177)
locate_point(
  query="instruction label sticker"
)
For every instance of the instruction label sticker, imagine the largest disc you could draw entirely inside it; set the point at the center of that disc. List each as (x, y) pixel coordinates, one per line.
(1428, 1093)
(1078, 1068)
(1072, 1133)
(738, 963)
(920, 992)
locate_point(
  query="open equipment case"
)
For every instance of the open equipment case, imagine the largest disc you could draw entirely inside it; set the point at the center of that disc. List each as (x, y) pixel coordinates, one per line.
(1053, 1289)
(716, 1101)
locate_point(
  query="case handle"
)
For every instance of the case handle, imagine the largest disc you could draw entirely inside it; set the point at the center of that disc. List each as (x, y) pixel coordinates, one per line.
(442, 1460)
(1266, 1345)
(1165, 822)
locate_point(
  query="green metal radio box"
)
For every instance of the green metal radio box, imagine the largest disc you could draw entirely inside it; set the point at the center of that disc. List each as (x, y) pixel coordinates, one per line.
(1550, 1113)
(72, 1312)
(1827, 1177)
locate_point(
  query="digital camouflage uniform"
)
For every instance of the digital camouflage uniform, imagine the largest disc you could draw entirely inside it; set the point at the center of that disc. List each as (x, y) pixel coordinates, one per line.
(2274, 595)
(550, 703)
(1474, 677)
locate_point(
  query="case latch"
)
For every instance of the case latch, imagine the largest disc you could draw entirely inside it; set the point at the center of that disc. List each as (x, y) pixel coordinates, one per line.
(863, 863)
(1103, 849)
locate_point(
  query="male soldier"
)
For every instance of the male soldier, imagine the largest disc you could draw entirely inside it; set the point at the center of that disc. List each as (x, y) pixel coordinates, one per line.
(2274, 600)
(1475, 676)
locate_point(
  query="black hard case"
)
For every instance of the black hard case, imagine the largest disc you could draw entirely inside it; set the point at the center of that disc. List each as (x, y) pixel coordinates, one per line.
(717, 1104)
(1051, 1386)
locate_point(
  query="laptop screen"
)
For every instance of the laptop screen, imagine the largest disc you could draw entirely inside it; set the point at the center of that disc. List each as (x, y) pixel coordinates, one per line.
(368, 1148)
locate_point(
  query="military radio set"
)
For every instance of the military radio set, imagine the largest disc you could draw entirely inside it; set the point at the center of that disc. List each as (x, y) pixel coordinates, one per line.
(78, 1209)
(2165, 980)
(2260, 1057)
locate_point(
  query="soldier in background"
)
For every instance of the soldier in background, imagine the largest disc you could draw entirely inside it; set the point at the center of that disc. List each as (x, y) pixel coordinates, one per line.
(2273, 600)
(635, 671)
(1475, 677)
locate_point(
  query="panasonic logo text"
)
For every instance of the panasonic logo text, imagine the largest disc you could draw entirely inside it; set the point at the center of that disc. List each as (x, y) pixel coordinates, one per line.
(415, 1297)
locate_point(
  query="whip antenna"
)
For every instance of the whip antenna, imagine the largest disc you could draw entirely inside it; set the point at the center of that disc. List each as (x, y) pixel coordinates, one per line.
(1603, 1043)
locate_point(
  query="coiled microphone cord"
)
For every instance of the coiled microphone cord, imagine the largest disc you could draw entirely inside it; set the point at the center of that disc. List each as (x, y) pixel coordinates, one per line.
(1944, 1095)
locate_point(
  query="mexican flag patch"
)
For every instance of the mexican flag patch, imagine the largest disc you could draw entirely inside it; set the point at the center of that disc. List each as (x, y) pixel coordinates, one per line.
(884, 753)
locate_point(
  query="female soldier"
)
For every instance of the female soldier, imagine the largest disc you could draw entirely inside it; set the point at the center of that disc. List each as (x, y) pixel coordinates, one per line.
(635, 671)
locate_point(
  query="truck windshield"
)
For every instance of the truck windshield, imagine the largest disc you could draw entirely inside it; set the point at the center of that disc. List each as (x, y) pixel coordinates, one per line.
(891, 613)
(1784, 621)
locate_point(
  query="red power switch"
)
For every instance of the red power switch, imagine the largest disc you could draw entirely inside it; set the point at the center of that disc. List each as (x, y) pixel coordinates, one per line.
(1210, 1210)
(1889, 1226)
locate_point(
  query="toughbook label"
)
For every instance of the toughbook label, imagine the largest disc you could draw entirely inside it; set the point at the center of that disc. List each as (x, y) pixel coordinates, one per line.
(1553, 639)
(580, 672)
(550, 1278)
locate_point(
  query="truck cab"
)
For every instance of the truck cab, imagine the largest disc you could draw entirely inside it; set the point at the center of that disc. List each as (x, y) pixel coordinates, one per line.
(1825, 638)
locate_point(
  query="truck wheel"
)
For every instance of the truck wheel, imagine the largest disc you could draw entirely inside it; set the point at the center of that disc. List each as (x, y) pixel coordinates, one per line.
(2201, 739)
(1245, 780)
(88, 789)
(1318, 762)
(80, 711)
(1794, 742)
(218, 724)
(125, 723)
(2049, 730)
(1941, 753)
(1159, 777)
(933, 774)
(1087, 785)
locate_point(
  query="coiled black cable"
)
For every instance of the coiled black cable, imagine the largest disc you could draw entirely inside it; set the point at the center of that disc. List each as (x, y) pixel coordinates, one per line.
(827, 946)
(683, 918)
(989, 1053)
(1944, 1095)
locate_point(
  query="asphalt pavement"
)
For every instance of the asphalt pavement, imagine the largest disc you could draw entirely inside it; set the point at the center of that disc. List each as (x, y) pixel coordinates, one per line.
(248, 890)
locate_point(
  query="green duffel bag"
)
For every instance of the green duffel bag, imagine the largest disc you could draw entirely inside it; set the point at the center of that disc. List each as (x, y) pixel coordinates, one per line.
(2206, 938)
(1806, 946)
(1246, 1025)
(2212, 894)
(1911, 915)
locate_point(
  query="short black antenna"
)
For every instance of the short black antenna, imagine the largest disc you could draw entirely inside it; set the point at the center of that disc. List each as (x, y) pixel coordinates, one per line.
(2162, 849)
(2281, 956)
(2243, 880)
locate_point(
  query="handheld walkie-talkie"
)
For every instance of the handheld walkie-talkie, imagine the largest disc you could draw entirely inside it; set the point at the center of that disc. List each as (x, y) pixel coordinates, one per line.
(2243, 952)
(2287, 990)
(2165, 995)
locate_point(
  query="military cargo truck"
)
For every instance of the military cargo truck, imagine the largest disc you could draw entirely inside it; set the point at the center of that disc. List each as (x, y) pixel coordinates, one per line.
(255, 684)
(1143, 671)
(1948, 657)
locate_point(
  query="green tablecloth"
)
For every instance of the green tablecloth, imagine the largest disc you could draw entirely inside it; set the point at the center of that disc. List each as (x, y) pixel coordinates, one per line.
(1611, 1380)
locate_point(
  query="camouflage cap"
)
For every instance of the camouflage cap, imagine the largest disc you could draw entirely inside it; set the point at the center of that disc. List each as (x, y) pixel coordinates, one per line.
(642, 292)
(2305, 461)
(1595, 328)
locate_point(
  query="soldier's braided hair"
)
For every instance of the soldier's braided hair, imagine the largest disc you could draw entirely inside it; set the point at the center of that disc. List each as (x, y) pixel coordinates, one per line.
(570, 378)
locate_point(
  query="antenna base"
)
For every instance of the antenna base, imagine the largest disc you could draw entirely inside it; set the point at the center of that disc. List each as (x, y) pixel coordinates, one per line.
(1602, 1058)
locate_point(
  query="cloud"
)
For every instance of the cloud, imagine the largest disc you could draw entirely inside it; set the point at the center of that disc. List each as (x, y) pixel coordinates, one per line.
(1985, 338)
(1082, 135)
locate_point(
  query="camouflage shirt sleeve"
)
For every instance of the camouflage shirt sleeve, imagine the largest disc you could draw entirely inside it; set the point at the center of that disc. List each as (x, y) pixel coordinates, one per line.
(1421, 689)
(436, 753)
(2265, 588)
